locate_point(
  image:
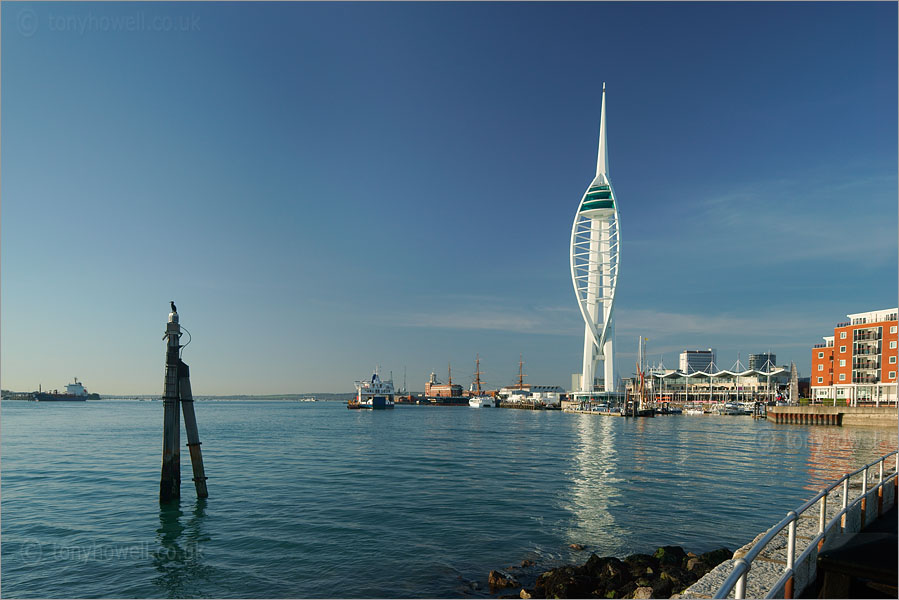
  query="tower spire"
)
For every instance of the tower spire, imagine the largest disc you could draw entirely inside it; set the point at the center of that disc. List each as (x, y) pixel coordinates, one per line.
(602, 157)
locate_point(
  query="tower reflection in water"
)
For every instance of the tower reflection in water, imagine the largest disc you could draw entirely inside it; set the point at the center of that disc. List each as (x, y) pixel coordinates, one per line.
(179, 554)
(594, 484)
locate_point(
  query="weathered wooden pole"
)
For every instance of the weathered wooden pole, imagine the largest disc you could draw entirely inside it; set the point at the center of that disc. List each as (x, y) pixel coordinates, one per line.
(190, 425)
(170, 481)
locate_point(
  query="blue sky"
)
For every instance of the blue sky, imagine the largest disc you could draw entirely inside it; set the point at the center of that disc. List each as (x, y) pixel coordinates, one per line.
(322, 188)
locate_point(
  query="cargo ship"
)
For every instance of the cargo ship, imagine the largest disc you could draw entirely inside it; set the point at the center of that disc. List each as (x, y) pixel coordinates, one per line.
(75, 392)
(373, 394)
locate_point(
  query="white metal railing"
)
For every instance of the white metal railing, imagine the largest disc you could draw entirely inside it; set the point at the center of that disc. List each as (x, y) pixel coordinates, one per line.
(736, 581)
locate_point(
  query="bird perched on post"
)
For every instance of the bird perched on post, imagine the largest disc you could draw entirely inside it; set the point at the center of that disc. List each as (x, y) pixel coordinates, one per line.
(172, 302)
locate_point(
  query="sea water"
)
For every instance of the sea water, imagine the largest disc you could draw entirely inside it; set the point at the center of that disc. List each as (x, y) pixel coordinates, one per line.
(314, 500)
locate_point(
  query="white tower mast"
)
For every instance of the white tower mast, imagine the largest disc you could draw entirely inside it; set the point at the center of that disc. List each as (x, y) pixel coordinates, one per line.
(594, 265)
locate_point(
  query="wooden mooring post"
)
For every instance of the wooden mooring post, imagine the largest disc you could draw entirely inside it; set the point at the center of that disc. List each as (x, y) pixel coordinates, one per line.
(190, 426)
(177, 395)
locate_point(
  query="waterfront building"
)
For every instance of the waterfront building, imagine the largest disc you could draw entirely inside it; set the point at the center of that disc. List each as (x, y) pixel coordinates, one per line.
(858, 363)
(758, 361)
(436, 389)
(736, 384)
(594, 268)
(692, 361)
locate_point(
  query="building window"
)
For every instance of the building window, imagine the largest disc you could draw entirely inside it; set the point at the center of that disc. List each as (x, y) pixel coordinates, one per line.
(842, 335)
(842, 377)
(892, 375)
(893, 345)
(842, 348)
(893, 329)
(820, 355)
(892, 360)
(842, 362)
(820, 367)
(820, 380)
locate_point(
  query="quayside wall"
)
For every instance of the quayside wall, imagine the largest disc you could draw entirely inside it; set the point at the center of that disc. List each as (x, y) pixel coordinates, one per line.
(874, 416)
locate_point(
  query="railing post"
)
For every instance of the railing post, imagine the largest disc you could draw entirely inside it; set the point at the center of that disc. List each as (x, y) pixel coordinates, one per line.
(845, 502)
(880, 487)
(822, 517)
(791, 554)
(864, 494)
(740, 588)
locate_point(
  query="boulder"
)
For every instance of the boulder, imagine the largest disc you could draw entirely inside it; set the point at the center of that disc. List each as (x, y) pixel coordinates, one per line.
(716, 557)
(525, 595)
(641, 564)
(527, 563)
(501, 579)
(566, 582)
(576, 547)
(642, 592)
(670, 555)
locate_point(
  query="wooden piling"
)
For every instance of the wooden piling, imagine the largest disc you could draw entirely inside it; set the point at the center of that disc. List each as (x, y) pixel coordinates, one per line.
(170, 479)
(190, 426)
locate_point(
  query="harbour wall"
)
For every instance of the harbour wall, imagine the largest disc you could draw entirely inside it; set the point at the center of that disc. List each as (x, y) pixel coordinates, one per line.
(883, 416)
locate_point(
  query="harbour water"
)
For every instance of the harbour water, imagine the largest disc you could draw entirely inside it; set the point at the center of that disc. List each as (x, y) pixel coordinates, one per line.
(313, 500)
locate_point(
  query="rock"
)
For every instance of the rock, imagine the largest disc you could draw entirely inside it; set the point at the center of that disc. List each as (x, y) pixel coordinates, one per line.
(643, 592)
(576, 547)
(566, 582)
(527, 563)
(641, 564)
(692, 563)
(691, 555)
(608, 568)
(670, 555)
(501, 579)
(526, 595)
(716, 557)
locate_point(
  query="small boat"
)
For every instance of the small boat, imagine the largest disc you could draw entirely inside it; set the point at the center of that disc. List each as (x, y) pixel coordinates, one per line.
(373, 394)
(730, 408)
(481, 402)
(693, 410)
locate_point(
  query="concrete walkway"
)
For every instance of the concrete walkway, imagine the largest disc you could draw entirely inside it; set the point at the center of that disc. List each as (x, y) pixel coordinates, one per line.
(769, 566)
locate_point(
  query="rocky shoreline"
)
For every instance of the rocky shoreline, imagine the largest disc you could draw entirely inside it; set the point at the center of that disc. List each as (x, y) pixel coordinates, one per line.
(664, 574)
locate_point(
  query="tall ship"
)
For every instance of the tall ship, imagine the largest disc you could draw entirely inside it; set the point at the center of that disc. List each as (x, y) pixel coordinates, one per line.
(478, 397)
(75, 392)
(373, 393)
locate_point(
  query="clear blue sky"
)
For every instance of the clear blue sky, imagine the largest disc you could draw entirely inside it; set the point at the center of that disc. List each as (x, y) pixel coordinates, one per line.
(326, 187)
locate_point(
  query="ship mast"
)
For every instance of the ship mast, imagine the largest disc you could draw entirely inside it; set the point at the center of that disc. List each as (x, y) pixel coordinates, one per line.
(477, 374)
(521, 375)
(449, 368)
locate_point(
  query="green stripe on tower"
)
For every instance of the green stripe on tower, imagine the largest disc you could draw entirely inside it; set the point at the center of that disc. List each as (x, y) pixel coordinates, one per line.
(597, 204)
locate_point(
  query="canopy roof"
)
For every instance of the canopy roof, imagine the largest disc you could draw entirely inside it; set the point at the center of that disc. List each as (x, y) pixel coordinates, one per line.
(719, 374)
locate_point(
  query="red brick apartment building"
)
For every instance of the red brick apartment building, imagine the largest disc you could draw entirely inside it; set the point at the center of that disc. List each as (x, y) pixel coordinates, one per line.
(859, 362)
